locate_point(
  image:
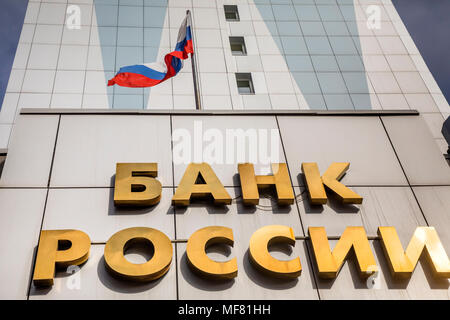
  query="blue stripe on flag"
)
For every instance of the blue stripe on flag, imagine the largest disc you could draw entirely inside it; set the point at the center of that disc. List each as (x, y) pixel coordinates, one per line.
(144, 70)
(177, 64)
(180, 45)
(188, 33)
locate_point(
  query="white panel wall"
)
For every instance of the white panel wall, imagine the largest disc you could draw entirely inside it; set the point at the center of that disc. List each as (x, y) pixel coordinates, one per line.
(385, 169)
(20, 225)
(358, 140)
(30, 157)
(90, 146)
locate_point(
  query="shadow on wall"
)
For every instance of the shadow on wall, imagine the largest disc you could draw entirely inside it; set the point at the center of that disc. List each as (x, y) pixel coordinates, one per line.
(128, 35)
(317, 43)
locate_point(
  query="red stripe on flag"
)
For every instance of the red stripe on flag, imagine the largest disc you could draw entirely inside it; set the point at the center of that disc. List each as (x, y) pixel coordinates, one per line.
(133, 80)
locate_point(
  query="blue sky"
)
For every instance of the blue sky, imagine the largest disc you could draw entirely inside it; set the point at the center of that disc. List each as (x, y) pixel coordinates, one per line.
(428, 22)
(12, 13)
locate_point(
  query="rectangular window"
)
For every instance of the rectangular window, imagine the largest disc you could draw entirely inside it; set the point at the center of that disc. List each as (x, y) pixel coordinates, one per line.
(231, 12)
(2, 160)
(244, 83)
(237, 45)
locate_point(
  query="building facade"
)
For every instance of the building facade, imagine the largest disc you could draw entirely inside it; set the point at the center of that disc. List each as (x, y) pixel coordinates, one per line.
(285, 81)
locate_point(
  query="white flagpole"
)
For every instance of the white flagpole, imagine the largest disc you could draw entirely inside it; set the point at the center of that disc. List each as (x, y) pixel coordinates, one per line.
(194, 67)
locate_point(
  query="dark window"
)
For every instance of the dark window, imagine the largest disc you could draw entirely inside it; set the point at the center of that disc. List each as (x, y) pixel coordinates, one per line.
(237, 45)
(231, 12)
(244, 83)
(2, 161)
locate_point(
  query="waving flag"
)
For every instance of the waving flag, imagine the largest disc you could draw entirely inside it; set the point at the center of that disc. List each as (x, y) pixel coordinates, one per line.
(149, 75)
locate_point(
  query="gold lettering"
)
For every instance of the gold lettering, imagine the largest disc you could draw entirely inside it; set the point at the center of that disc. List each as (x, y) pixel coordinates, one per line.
(335, 172)
(402, 263)
(329, 263)
(263, 260)
(59, 248)
(189, 187)
(135, 184)
(250, 183)
(153, 269)
(201, 263)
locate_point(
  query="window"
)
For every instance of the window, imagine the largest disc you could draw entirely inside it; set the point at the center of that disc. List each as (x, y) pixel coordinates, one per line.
(2, 160)
(237, 45)
(244, 83)
(231, 12)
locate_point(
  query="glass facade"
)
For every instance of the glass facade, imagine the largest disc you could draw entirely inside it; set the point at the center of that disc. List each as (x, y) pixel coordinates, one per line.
(302, 54)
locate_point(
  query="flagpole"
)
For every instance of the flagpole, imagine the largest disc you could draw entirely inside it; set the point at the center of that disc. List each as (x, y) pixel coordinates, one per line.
(194, 68)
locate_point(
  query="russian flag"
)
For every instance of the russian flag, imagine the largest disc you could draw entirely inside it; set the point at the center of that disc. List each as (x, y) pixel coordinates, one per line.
(149, 75)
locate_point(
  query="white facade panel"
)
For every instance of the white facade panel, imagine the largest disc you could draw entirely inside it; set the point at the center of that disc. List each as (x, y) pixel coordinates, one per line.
(90, 146)
(87, 209)
(20, 223)
(422, 161)
(30, 158)
(382, 206)
(250, 133)
(434, 202)
(360, 141)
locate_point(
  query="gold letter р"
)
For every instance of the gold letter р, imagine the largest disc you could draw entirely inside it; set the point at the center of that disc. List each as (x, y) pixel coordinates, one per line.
(50, 255)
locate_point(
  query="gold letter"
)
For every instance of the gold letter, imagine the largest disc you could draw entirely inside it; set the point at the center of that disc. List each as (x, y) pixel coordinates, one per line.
(263, 260)
(201, 263)
(314, 183)
(329, 263)
(188, 185)
(75, 252)
(250, 183)
(330, 179)
(402, 264)
(153, 269)
(135, 184)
